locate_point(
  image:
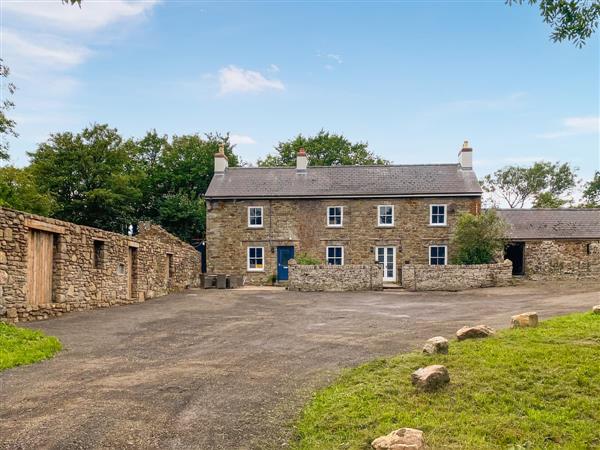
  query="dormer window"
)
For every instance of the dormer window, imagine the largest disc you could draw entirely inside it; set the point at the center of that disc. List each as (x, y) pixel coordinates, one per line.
(385, 215)
(335, 216)
(255, 217)
(437, 215)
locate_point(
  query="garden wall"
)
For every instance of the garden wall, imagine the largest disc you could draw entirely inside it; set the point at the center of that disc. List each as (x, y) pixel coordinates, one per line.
(49, 267)
(351, 277)
(562, 259)
(421, 277)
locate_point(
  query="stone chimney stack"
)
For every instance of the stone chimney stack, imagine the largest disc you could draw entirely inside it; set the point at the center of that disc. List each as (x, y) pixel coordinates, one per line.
(465, 156)
(221, 162)
(301, 161)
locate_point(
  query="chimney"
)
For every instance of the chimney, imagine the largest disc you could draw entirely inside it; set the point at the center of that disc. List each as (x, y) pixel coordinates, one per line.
(465, 156)
(221, 163)
(301, 161)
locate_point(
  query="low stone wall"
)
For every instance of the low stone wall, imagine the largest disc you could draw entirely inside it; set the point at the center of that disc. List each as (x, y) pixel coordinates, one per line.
(351, 277)
(562, 259)
(422, 277)
(89, 268)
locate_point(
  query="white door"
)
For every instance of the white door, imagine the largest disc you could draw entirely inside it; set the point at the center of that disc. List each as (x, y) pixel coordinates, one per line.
(386, 256)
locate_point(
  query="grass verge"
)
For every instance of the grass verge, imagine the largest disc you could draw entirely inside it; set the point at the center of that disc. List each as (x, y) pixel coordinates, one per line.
(529, 388)
(19, 346)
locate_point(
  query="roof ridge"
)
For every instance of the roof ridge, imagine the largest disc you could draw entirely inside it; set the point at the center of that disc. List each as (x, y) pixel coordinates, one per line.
(344, 166)
(546, 209)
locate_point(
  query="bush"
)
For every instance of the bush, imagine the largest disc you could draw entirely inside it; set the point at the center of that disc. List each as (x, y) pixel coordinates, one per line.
(306, 260)
(478, 238)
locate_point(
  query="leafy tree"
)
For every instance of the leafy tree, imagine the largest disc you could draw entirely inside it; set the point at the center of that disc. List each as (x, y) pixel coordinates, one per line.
(324, 149)
(7, 126)
(571, 20)
(591, 192)
(543, 184)
(18, 190)
(478, 238)
(304, 259)
(91, 177)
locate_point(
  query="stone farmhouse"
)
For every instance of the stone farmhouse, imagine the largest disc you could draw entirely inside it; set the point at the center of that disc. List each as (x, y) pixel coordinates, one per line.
(554, 243)
(260, 218)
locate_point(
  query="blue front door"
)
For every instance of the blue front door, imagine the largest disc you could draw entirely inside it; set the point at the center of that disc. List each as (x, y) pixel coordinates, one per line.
(284, 254)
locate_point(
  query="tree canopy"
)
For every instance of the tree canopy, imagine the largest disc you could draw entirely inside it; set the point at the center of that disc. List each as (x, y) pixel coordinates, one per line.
(571, 20)
(19, 190)
(478, 238)
(544, 184)
(591, 192)
(324, 149)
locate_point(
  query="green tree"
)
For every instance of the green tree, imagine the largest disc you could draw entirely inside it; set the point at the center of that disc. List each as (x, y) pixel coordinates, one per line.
(543, 184)
(91, 177)
(571, 20)
(478, 238)
(18, 190)
(7, 126)
(591, 192)
(324, 149)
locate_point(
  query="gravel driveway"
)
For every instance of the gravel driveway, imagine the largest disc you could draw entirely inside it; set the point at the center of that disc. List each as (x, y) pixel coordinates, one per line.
(230, 369)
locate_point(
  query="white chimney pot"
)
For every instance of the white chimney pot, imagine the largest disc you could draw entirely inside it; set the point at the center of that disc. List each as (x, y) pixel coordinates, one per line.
(465, 156)
(221, 162)
(301, 161)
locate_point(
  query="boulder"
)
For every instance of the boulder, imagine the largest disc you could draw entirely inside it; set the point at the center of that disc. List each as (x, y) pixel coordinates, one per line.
(528, 319)
(402, 439)
(596, 309)
(480, 331)
(430, 378)
(435, 345)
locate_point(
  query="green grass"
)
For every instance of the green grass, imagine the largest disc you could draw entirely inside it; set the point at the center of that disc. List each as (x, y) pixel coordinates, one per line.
(19, 346)
(530, 388)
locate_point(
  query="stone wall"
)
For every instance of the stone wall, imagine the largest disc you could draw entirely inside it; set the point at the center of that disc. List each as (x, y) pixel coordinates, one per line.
(90, 267)
(353, 277)
(421, 277)
(302, 223)
(562, 259)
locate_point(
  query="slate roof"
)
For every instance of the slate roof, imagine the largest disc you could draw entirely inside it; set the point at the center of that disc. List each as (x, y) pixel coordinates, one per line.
(552, 223)
(344, 181)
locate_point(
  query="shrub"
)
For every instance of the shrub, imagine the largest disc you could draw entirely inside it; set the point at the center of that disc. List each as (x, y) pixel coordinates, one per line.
(478, 238)
(306, 260)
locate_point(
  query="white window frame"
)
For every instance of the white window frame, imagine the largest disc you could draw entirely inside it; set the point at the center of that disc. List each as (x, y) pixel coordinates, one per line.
(445, 255)
(254, 269)
(262, 217)
(379, 224)
(327, 254)
(445, 216)
(335, 225)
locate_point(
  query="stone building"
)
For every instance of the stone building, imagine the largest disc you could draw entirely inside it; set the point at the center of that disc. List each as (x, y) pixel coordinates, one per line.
(49, 267)
(554, 243)
(259, 218)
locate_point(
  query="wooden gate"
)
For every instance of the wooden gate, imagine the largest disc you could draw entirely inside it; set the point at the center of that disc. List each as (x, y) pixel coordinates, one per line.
(132, 273)
(39, 267)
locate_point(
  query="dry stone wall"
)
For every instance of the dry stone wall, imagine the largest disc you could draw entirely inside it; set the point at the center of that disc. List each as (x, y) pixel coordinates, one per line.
(421, 277)
(562, 259)
(302, 223)
(90, 268)
(354, 277)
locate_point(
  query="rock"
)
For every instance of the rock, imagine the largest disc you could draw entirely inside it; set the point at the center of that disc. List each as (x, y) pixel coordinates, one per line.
(435, 345)
(480, 331)
(11, 313)
(430, 378)
(3, 277)
(402, 439)
(528, 319)
(596, 309)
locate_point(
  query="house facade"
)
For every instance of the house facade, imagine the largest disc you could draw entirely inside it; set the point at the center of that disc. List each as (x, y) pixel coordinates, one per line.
(259, 218)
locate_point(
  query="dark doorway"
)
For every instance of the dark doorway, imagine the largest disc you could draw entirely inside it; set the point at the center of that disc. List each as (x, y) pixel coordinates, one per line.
(284, 254)
(515, 251)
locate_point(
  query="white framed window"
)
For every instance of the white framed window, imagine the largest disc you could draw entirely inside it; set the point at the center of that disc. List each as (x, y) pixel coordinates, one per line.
(334, 255)
(256, 259)
(255, 216)
(437, 215)
(335, 216)
(438, 254)
(385, 215)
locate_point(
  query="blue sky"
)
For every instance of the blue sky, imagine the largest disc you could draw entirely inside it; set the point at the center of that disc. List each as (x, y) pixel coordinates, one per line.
(414, 79)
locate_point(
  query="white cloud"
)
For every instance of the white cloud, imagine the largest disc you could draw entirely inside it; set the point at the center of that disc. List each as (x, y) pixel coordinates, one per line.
(42, 50)
(92, 16)
(237, 139)
(273, 68)
(336, 58)
(235, 79)
(575, 126)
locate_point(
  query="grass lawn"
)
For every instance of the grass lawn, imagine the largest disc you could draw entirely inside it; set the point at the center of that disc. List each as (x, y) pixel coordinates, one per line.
(19, 346)
(528, 388)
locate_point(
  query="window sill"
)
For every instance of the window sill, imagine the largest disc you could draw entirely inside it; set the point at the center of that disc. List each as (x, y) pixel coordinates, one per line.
(436, 225)
(255, 228)
(255, 270)
(386, 226)
(334, 226)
